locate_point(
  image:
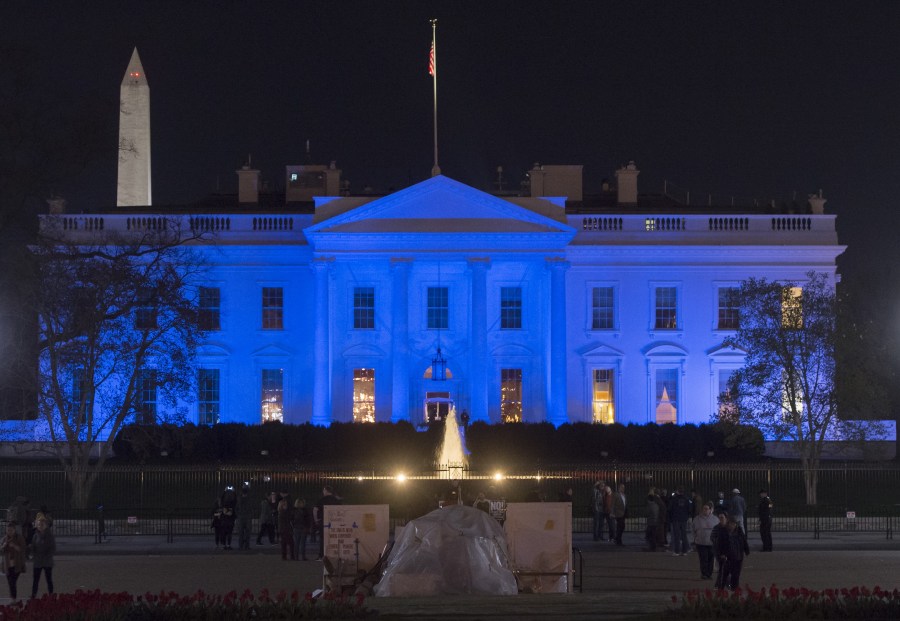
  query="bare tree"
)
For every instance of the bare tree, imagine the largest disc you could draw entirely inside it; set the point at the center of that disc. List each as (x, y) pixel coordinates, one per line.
(787, 386)
(118, 329)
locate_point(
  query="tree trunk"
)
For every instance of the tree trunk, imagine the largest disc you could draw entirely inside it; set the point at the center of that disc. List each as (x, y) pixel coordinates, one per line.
(811, 480)
(81, 483)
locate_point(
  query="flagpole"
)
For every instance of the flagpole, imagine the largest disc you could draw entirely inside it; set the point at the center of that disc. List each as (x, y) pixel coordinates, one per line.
(435, 170)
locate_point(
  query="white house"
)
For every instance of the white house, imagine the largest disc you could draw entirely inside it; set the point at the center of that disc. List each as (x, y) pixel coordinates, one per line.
(560, 308)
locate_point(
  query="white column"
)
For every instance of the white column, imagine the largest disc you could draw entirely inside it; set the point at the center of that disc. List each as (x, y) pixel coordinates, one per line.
(400, 339)
(558, 397)
(321, 414)
(479, 365)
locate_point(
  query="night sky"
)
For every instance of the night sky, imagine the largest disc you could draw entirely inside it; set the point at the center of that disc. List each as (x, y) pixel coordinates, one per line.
(752, 99)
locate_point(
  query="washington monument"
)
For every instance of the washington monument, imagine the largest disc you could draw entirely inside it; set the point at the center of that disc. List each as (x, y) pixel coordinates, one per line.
(134, 137)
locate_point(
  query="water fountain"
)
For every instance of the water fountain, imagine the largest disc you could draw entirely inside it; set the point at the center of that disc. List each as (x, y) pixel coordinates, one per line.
(451, 456)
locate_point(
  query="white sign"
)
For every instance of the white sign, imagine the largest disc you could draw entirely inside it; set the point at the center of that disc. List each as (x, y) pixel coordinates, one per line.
(539, 536)
(132, 519)
(851, 515)
(355, 534)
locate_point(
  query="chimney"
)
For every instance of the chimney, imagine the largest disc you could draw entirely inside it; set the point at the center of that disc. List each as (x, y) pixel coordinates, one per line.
(536, 175)
(56, 205)
(817, 203)
(248, 184)
(626, 179)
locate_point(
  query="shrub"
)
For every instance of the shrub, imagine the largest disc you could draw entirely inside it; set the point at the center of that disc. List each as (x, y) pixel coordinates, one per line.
(788, 603)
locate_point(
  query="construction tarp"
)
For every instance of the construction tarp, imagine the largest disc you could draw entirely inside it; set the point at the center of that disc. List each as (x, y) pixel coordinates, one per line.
(456, 550)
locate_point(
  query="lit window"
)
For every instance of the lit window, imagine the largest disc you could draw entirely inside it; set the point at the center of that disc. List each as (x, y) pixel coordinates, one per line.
(602, 402)
(602, 300)
(272, 407)
(666, 396)
(729, 316)
(792, 308)
(511, 395)
(145, 310)
(210, 302)
(272, 308)
(363, 395)
(438, 307)
(146, 397)
(666, 308)
(364, 308)
(208, 384)
(726, 407)
(510, 308)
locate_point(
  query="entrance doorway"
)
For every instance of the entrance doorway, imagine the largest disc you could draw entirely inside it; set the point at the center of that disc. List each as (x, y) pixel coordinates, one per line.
(437, 406)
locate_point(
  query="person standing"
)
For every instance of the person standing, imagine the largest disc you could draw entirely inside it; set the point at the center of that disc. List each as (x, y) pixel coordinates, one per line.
(733, 548)
(738, 509)
(244, 512)
(679, 513)
(328, 498)
(702, 527)
(597, 508)
(286, 529)
(608, 512)
(303, 524)
(267, 510)
(717, 536)
(13, 548)
(43, 547)
(620, 512)
(652, 521)
(765, 520)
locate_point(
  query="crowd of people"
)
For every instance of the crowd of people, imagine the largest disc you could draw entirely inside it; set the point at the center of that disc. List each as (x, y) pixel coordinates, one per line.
(283, 520)
(677, 522)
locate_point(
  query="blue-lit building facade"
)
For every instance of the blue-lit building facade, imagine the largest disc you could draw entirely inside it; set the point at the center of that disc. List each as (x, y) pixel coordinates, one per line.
(548, 305)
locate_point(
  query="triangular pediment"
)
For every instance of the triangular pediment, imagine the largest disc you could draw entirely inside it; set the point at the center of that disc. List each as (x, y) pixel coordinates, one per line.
(272, 351)
(726, 352)
(601, 351)
(439, 205)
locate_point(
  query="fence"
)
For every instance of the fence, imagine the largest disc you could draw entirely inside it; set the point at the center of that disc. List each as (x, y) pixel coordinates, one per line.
(156, 492)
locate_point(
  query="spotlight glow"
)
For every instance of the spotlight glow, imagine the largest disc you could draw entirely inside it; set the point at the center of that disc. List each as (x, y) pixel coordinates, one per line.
(498, 476)
(401, 478)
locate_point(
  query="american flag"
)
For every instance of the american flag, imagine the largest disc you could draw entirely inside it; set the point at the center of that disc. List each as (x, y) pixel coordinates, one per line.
(431, 60)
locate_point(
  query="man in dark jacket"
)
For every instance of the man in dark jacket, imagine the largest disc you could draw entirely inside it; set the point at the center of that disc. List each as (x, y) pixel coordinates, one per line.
(765, 520)
(732, 550)
(244, 510)
(328, 498)
(679, 514)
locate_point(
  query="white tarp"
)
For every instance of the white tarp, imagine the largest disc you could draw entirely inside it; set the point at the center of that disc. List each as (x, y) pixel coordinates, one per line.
(539, 535)
(456, 550)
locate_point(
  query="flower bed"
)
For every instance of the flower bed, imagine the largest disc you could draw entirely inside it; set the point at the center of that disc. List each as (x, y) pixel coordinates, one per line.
(99, 606)
(788, 603)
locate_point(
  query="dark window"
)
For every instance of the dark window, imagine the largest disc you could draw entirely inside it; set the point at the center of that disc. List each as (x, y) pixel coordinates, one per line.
(510, 308)
(602, 308)
(210, 302)
(438, 306)
(272, 308)
(666, 308)
(146, 397)
(145, 310)
(728, 308)
(208, 384)
(364, 308)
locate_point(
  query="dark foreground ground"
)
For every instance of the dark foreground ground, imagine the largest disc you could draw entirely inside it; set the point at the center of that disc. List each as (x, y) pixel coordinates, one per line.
(618, 582)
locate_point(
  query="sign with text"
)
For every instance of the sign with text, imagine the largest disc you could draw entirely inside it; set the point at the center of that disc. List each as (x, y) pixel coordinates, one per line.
(355, 533)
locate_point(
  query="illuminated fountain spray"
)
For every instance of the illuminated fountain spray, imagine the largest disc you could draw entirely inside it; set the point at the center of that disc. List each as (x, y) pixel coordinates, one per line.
(451, 458)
